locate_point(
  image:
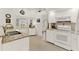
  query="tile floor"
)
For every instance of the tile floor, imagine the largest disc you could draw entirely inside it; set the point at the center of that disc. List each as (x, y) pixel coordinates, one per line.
(38, 44)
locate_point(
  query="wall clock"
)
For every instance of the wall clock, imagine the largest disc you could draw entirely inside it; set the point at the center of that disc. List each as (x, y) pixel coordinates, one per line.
(8, 15)
(22, 12)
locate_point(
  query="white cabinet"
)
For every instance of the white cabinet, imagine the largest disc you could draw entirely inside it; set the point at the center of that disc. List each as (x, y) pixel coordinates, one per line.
(0, 43)
(17, 45)
(32, 31)
(63, 39)
(77, 42)
(74, 42)
(50, 36)
(44, 35)
(60, 38)
(51, 17)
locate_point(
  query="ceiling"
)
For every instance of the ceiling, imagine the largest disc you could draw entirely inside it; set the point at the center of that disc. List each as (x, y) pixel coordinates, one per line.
(58, 9)
(47, 9)
(50, 9)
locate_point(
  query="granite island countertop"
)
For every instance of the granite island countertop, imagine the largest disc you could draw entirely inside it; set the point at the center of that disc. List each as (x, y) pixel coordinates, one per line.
(11, 38)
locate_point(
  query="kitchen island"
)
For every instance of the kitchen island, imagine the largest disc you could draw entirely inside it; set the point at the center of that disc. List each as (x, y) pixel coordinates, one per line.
(0, 43)
(18, 42)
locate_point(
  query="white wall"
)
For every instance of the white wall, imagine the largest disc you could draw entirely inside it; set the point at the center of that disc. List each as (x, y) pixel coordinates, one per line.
(51, 17)
(72, 13)
(14, 15)
(29, 14)
(40, 27)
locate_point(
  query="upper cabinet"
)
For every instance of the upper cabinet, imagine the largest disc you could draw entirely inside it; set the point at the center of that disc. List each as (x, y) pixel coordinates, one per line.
(51, 17)
(69, 15)
(63, 18)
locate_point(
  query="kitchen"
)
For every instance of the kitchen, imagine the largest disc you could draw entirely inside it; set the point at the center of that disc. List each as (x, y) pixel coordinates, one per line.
(39, 29)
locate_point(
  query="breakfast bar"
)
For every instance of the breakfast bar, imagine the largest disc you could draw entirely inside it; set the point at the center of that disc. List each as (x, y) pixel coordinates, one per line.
(17, 42)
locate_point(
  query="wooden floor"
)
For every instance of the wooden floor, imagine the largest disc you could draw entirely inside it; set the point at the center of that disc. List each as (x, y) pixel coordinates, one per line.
(38, 44)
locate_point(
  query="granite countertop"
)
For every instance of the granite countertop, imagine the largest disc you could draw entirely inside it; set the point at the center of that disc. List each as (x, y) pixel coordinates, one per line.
(52, 29)
(2, 35)
(7, 39)
(61, 30)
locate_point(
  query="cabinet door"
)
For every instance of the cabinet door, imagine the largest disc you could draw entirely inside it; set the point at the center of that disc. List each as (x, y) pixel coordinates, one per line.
(77, 42)
(63, 39)
(50, 36)
(74, 42)
(0, 43)
(17, 45)
(32, 31)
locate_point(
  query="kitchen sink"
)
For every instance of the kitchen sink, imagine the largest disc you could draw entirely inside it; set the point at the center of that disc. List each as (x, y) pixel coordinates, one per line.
(12, 33)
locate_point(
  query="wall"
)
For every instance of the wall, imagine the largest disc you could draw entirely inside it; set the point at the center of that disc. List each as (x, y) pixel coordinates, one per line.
(51, 17)
(29, 14)
(71, 12)
(14, 15)
(42, 25)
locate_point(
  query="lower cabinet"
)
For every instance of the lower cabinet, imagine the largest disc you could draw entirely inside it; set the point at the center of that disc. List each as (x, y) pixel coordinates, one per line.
(74, 42)
(0, 43)
(63, 39)
(77, 42)
(17, 45)
(50, 36)
(60, 38)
